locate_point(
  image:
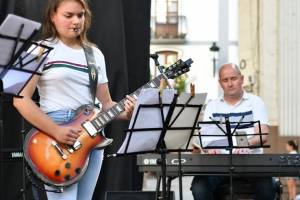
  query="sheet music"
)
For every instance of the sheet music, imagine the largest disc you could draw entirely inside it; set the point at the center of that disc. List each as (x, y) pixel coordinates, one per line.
(148, 118)
(10, 27)
(212, 136)
(186, 117)
(208, 140)
(15, 79)
(151, 118)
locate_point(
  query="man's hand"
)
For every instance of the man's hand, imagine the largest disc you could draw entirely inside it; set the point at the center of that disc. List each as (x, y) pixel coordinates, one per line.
(213, 151)
(241, 151)
(234, 151)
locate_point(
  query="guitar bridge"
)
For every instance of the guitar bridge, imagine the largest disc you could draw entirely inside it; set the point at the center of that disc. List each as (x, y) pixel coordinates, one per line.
(59, 150)
(77, 145)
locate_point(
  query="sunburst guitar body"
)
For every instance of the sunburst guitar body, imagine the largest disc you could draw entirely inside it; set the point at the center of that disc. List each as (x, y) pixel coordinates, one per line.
(58, 164)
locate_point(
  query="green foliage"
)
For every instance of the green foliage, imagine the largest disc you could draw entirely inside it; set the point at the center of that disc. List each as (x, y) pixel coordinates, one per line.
(180, 83)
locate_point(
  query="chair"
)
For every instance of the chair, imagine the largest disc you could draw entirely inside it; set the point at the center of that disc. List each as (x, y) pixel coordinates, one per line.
(242, 190)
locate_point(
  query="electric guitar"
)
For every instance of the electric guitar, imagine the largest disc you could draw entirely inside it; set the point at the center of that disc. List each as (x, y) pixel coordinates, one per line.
(61, 165)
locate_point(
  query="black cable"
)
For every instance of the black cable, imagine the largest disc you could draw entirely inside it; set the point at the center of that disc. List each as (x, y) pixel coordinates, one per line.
(34, 183)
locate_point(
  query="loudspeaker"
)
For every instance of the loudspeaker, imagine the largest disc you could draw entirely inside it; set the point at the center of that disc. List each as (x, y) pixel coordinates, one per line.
(11, 163)
(10, 153)
(11, 181)
(133, 195)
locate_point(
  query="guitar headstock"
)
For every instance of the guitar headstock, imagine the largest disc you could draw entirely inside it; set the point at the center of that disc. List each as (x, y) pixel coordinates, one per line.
(178, 68)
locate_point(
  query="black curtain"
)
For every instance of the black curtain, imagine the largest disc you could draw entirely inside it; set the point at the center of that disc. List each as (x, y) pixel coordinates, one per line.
(121, 29)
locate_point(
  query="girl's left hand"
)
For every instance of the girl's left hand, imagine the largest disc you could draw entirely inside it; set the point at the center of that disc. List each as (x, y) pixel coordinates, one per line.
(129, 106)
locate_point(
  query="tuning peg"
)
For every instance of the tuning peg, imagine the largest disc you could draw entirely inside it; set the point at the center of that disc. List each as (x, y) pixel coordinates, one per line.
(192, 89)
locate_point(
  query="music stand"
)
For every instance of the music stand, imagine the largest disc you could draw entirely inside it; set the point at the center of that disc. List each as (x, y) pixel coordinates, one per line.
(19, 61)
(223, 130)
(158, 119)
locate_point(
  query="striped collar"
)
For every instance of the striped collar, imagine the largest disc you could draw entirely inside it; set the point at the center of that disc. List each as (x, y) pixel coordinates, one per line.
(245, 96)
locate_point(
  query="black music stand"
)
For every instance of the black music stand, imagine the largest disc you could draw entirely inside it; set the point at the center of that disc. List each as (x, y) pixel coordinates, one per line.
(176, 116)
(18, 64)
(226, 142)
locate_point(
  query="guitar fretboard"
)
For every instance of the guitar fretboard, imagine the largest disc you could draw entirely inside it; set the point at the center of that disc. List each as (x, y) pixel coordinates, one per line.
(105, 117)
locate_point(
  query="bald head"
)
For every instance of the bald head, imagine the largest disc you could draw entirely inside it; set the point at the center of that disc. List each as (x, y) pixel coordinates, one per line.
(231, 80)
(228, 66)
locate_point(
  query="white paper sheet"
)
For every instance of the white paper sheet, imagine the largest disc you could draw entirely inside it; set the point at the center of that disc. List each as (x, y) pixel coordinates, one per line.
(212, 136)
(208, 130)
(10, 27)
(151, 118)
(148, 118)
(16, 77)
(178, 139)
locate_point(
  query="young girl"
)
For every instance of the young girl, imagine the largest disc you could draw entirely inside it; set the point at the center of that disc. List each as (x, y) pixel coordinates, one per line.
(64, 86)
(292, 148)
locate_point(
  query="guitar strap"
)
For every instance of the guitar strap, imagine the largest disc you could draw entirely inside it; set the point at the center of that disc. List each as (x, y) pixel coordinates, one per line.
(93, 72)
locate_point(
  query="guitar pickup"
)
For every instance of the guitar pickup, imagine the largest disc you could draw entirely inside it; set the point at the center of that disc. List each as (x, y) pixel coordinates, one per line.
(90, 129)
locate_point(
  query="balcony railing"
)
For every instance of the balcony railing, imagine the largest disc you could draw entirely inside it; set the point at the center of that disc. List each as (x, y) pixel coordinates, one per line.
(168, 29)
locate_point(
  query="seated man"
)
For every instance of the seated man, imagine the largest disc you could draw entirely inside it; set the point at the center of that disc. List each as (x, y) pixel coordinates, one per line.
(235, 102)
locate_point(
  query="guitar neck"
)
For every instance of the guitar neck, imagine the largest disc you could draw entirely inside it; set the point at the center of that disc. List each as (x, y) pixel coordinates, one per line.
(105, 117)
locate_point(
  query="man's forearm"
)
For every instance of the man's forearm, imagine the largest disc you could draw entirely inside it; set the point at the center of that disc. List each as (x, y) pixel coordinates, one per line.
(256, 140)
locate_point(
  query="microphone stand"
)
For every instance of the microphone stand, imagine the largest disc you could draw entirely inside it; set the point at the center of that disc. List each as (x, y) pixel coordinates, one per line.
(230, 147)
(155, 58)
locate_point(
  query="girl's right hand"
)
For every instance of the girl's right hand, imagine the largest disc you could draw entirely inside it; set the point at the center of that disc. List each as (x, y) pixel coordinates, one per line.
(67, 134)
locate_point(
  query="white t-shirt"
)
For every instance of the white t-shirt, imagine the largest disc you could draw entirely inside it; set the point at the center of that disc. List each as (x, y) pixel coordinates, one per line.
(293, 152)
(250, 106)
(64, 83)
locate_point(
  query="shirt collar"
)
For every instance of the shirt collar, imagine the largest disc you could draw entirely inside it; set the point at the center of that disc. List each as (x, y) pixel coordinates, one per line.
(244, 97)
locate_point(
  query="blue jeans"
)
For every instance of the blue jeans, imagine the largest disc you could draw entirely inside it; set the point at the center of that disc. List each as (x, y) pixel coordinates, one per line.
(205, 187)
(84, 188)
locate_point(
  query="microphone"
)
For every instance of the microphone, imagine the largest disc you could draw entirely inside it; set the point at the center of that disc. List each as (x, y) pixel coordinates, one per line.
(76, 29)
(155, 57)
